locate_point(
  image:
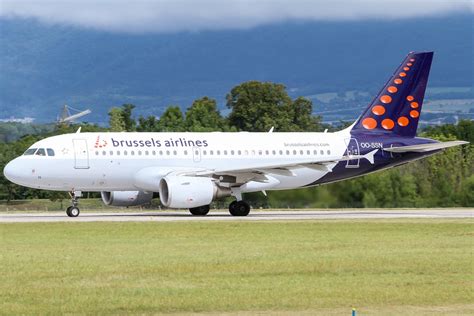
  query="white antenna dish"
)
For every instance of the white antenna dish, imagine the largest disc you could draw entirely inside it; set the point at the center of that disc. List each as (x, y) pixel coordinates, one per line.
(67, 116)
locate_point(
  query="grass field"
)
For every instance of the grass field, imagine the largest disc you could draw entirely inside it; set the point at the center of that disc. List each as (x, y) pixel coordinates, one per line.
(407, 267)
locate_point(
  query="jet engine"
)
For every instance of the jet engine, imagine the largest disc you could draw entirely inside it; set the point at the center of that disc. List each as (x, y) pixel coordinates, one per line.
(126, 198)
(189, 192)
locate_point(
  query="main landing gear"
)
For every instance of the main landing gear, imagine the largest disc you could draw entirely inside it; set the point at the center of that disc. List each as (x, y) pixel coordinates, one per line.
(200, 210)
(236, 208)
(239, 208)
(73, 210)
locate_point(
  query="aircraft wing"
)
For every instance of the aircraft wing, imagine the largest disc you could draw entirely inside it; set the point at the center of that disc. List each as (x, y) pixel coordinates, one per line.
(285, 168)
(426, 147)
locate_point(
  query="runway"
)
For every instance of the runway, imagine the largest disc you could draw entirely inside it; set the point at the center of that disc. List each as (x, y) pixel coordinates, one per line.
(257, 215)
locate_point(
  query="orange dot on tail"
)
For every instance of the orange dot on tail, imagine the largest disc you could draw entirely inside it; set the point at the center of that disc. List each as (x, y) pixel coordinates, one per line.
(414, 105)
(369, 123)
(414, 114)
(402, 121)
(409, 64)
(386, 99)
(402, 74)
(388, 124)
(412, 60)
(406, 68)
(398, 81)
(378, 110)
(410, 98)
(392, 89)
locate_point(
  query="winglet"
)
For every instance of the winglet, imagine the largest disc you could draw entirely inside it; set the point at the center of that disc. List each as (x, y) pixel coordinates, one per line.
(271, 129)
(78, 130)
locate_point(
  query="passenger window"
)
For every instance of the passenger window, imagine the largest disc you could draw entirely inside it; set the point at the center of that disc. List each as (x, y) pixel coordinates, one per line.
(315, 152)
(167, 153)
(30, 151)
(204, 152)
(308, 152)
(103, 153)
(294, 152)
(118, 152)
(232, 152)
(139, 153)
(97, 153)
(161, 152)
(218, 152)
(287, 152)
(132, 153)
(125, 152)
(111, 153)
(321, 152)
(273, 152)
(266, 152)
(329, 152)
(225, 152)
(185, 152)
(50, 152)
(301, 152)
(281, 152)
(146, 153)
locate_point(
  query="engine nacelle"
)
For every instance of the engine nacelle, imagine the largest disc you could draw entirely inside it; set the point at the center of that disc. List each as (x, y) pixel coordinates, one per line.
(188, 192)
(126, 198)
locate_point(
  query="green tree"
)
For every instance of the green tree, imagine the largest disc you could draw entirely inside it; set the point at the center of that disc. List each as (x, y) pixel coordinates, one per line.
(127, 117)
(172, 120)
(301, 115)
(203, 116)
(257, 106)
(116, 121)
(148, 124)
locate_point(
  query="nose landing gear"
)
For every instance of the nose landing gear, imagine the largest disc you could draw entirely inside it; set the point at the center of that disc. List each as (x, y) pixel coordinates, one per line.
(73, 210)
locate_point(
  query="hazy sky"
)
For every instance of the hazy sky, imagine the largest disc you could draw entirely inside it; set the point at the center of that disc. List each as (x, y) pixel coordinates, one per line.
(195, 15)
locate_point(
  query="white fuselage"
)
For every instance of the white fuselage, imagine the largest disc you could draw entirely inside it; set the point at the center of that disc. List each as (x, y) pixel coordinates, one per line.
(111, 161)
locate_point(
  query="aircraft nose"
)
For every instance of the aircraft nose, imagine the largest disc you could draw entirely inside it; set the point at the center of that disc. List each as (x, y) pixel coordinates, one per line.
(12, 171)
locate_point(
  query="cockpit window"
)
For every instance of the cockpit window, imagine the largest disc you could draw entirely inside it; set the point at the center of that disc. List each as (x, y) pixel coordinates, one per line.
(50, 151)
(30, 151)
(41, 152)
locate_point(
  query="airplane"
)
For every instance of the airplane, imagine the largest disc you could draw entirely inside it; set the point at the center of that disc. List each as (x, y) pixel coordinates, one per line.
(190, 170)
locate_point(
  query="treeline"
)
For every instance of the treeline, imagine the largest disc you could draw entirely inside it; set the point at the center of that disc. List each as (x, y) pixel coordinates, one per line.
(446, 179)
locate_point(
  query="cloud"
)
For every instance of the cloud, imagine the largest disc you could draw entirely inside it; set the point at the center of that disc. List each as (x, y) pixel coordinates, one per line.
(195, 15)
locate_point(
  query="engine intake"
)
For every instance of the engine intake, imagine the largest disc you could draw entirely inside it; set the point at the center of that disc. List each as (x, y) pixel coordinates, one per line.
(126, 198)
(189, 192)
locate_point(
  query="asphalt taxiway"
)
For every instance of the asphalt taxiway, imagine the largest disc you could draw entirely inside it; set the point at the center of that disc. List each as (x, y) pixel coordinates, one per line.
(256, 215)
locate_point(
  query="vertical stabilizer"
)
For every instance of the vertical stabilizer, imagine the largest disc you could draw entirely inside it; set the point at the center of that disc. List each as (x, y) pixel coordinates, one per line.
(397, 107)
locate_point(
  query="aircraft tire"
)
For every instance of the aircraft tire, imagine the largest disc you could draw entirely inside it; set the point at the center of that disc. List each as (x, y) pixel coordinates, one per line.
(73, 211)
(239, 208)
(200, 210)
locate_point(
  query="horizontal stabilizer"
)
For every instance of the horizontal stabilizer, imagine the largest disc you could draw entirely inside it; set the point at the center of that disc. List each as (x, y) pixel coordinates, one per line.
(426, 147)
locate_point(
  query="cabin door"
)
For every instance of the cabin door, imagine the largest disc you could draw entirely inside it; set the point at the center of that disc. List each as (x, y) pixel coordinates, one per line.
(352, 150)
(81, 154)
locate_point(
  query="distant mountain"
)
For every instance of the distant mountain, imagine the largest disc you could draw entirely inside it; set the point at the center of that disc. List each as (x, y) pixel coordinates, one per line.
(43, 67)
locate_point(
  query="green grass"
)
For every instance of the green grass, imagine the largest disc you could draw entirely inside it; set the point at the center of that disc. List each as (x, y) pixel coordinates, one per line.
(380, 267)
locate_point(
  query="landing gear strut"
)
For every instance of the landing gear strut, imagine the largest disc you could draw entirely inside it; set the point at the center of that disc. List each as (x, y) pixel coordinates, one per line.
(200, 210)
(73, 210)
(239, 208)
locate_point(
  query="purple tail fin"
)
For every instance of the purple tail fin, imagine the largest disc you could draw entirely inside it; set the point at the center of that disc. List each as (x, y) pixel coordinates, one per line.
(397, 107)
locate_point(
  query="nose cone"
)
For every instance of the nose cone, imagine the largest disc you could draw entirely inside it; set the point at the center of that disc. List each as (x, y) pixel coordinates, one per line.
(13, 171)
